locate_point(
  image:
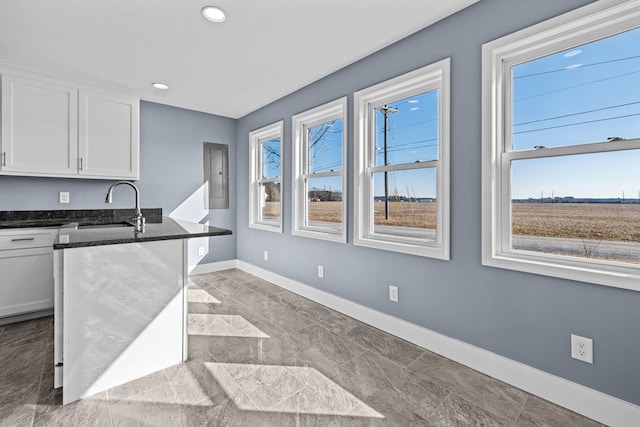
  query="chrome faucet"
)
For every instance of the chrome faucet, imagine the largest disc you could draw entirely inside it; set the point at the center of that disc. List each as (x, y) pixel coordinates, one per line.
(138, 219)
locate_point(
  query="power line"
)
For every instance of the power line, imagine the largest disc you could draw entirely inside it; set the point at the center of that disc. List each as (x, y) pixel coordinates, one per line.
(576, 114)
(582, 66)
(576, 124)
(576, 86)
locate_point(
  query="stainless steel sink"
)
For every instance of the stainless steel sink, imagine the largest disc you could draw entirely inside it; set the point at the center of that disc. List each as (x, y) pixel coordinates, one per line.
(92, 226)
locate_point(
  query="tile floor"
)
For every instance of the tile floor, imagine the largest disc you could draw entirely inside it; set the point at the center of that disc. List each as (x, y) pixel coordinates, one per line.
(262, 356)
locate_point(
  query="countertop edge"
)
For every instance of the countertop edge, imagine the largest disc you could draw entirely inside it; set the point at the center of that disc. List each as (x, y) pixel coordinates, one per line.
(108, 242)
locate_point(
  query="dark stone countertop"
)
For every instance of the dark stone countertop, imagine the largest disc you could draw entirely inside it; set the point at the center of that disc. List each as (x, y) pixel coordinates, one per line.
(98, 227)
(168, 229)
(57, 218)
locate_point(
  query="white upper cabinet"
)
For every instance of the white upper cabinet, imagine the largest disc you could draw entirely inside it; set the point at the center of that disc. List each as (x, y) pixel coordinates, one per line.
(57, 130)
(108, 140)
(39, 127)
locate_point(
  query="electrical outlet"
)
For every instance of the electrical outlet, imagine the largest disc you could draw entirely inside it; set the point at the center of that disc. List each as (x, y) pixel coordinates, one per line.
(320, 271)
(63, 197)
(393, 293)
(201, 251)
(582, 348)
(266, 255)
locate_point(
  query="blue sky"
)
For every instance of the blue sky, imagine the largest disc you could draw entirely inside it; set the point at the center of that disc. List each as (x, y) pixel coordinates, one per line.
(582, 95)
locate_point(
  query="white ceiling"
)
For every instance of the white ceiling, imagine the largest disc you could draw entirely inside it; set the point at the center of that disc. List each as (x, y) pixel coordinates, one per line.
(263, 51)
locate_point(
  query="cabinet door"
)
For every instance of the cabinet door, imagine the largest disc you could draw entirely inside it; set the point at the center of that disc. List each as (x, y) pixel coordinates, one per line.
(109, 136)
(39, 127)
(26, 284)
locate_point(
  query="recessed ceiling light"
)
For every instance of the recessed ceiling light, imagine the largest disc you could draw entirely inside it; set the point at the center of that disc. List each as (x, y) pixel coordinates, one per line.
(213, 14)
(159, 85)
(573, 66)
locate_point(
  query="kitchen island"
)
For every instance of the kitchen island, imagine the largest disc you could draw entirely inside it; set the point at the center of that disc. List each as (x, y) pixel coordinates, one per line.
(120, 302)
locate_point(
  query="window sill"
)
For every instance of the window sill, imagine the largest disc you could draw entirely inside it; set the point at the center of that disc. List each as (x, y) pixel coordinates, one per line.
(332, 235)
(433, 250)
(273, 227)
(608, 275)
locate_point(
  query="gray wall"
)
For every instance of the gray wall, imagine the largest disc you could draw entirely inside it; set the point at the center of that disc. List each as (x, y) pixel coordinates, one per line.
(171, 170)
(525, 317)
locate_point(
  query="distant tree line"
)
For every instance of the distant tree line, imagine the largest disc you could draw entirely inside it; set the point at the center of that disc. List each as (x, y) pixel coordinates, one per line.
(571, 199)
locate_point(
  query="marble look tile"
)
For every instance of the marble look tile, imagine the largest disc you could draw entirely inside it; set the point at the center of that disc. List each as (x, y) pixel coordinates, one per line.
(153, 407)
(279, 315)
(225, 325)
(236, 274)
(193, 382)
(292, 300)
(310, 420)
(335, 322)
(218, 284)
(369, 373)
(27, 331)
(491, 394)
(387, 345)
(196, 294)
(21, 373)
(336, 347)
(230, 386)
(540, 413)
(394, 411)
(304, 401)
(16, 415)
(222, 411)
(457, 412)
(137, 386)
(338, 400)
(265, 385)
(285, 350)
(91, 411)
(262, 286)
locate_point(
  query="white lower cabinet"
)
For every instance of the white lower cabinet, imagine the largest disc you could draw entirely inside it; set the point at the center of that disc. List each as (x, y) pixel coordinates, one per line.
(120, 314)
(26, 263)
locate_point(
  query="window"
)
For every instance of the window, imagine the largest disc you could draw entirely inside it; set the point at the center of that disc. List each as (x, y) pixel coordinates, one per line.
(266, 178)
(402, 163)
(319, 190)
(561, 160)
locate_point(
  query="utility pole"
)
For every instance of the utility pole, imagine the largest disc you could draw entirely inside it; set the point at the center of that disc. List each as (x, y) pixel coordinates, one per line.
(386, 110)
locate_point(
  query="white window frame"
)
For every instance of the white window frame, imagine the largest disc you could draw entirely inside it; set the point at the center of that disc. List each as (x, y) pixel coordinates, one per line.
(301, 123)
(256, 138)
(425, 79)
(595, 21)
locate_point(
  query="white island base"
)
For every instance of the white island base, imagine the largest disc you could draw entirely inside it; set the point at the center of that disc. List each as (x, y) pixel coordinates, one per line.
(120, 314)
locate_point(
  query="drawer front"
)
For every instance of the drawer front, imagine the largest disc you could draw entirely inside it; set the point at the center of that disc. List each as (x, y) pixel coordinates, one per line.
(24, 239)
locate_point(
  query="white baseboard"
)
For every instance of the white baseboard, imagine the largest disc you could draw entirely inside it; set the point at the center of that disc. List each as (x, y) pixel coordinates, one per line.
(212, 267)
(575, 397)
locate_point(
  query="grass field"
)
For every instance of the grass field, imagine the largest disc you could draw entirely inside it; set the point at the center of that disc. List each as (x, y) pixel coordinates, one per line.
(596, 221)
(415, 215)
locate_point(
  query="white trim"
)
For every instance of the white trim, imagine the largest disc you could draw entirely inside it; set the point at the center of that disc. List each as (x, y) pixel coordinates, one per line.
(274, 130)
(431, 77)
(597, 20)
(212, 267)
(575, 397)
(300, 122)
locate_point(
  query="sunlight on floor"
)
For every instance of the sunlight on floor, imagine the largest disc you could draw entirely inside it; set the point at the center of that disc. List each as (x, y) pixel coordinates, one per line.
(222, 325)
(289, 389)
(202, 296)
